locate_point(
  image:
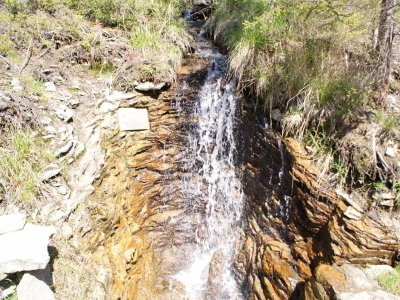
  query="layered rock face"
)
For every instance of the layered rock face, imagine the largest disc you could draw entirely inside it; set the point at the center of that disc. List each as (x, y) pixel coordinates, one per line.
(299, 232)
(139, 220)
(298, 222)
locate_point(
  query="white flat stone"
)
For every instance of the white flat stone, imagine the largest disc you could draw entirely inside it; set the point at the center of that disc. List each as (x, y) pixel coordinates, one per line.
(49, 174)
(11, 223)
(33, 288)
(25, 250)
(50, 86)
(79, 149)
(133, 119)
(107, 107)
(64, 150)
(50, 129)
(389, 152)
(15, 82)
(117, 96)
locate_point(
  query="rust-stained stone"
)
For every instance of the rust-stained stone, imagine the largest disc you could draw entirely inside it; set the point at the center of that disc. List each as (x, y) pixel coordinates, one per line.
(330, 278)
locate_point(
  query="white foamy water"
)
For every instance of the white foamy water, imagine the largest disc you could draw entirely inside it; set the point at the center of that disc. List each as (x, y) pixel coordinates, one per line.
(213, 191)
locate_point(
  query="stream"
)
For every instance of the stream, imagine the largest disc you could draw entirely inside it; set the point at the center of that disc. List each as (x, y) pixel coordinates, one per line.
(212, 192)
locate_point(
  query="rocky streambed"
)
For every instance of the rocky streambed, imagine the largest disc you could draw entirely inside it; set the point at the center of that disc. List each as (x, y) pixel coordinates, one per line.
(295, 236)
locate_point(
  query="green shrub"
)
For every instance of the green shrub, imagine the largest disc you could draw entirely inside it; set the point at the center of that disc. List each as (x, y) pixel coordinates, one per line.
(317, 139)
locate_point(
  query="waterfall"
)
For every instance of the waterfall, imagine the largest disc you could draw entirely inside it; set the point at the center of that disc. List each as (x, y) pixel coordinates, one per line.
(213, 193)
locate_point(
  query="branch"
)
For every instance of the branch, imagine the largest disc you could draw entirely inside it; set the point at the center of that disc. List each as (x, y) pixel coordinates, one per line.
(38, 28)
(6, 61)
(28, 57)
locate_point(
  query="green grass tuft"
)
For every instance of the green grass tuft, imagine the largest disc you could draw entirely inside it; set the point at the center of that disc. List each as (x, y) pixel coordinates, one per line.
(391, 281)
(22, 157)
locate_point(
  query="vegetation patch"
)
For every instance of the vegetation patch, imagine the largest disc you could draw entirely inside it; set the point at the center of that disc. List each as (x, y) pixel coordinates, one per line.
(391, 281)
(22, 157)
(320, 63)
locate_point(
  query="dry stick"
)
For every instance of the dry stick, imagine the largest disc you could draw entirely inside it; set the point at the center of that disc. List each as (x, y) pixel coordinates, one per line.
(6, 61)
(28, 57)
(38, 27)
(43, 53)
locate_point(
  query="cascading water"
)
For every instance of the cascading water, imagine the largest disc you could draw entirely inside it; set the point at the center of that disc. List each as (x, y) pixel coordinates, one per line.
(213, 190)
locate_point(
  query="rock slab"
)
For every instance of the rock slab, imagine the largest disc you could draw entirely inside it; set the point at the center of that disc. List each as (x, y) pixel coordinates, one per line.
(25, 250)
(133, 119)
(33, 288)
(11, 223)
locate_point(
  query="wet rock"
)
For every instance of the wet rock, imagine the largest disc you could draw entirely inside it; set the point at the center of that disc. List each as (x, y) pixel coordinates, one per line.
(13, 222)
(33, 288)
(25, 249)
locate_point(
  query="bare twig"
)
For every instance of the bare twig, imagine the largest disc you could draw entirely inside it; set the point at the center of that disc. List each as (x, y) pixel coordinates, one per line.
(28, 57)
(6, 61)
(38, 28)
(43, 53)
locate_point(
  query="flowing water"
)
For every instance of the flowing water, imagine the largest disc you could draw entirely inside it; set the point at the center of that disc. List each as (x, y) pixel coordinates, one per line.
(212, 191)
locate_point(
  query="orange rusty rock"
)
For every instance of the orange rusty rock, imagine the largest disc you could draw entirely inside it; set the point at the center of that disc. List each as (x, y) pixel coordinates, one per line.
(330, 278)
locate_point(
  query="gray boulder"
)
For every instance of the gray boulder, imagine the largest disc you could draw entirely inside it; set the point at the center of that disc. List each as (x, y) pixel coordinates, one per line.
(33, 286)
(25, 250)
(11, 223)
